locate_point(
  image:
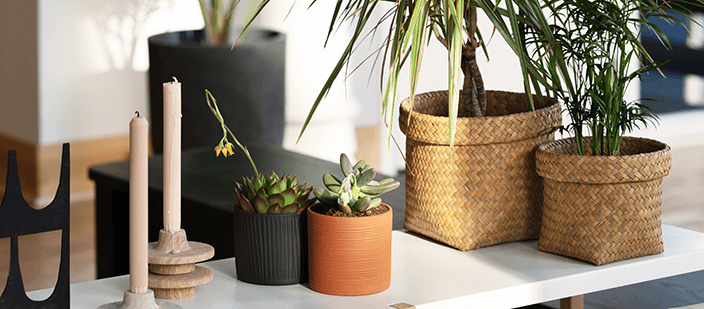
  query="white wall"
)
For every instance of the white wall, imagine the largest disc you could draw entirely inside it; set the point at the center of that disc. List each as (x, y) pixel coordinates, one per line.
(93, 59)
(308, 65)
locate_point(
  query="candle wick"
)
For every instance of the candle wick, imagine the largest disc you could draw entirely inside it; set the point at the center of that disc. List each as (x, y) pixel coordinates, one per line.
(175, 80)
(137, 112)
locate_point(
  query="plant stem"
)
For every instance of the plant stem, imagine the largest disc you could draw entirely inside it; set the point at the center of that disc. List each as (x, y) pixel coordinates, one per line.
(216, 111)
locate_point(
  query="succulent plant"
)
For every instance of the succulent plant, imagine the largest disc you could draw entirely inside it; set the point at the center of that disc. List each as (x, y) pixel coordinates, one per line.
(358, 191)
(272, 195)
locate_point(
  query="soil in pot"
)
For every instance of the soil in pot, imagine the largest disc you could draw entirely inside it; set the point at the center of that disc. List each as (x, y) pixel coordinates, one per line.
(372, 212)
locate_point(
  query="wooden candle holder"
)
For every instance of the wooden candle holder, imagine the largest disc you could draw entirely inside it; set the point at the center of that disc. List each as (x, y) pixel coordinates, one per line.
(173, 273)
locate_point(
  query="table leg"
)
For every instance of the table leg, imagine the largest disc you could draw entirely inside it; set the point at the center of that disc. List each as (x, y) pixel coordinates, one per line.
(574, 302)
(111, 231)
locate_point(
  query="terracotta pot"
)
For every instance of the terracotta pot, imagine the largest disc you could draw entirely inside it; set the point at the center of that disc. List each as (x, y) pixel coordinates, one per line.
(349, 256)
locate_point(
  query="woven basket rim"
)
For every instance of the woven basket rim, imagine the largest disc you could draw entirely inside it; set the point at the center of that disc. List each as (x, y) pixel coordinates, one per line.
(530, 123)
(612, 169)
(405, 107)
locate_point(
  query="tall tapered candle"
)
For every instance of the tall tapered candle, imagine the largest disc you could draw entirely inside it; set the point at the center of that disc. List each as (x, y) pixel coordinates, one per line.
(172, 156)
(139, 188)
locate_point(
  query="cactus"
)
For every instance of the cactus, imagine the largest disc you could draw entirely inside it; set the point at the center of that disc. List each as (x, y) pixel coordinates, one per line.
(358, 191)
(272, 195)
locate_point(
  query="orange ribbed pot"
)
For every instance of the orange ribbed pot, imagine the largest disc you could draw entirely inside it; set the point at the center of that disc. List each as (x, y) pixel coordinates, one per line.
(349, 256)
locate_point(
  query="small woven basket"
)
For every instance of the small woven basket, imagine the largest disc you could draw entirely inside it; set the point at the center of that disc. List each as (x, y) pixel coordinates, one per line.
(486, 191)
(602, 209)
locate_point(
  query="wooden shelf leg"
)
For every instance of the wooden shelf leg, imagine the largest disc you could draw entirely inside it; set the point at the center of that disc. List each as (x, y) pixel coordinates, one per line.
(574, 302)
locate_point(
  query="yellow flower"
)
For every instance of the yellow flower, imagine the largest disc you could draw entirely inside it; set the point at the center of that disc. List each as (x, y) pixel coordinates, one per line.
(229, 149)
(220, 148)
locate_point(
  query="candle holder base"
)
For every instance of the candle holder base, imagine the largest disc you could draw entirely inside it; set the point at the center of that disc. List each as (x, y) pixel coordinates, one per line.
(172, 265)
(174, 249)
(140, 301)
(179, 286)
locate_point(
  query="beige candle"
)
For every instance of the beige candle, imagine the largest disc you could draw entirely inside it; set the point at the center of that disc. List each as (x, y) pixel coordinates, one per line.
(139, 188)
(172, 156)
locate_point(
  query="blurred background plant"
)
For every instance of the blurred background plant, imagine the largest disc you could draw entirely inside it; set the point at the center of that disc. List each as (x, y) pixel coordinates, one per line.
(218, 16)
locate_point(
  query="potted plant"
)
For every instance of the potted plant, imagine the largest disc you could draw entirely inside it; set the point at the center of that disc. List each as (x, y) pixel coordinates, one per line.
(602, 198)
(249, 77)
(349, 233)
(270, 221)
(477, 147)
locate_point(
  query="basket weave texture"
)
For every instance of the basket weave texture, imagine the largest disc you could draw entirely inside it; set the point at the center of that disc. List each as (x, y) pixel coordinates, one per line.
(486, 191)
(603, 209)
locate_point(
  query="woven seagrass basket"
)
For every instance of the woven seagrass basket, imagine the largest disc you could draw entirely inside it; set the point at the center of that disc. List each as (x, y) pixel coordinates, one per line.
(488, 192)
(602, 209)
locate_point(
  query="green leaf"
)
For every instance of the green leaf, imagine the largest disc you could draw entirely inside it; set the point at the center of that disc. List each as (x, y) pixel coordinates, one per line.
(454, 41)
(276, 199)
(325, 196)
(418, 32)
(359, 166)
(289, 196)
(365, 12)
(275, 188)
(345, 165)
(366, 177)
(249, 21)
(260, 204)
(289, 209)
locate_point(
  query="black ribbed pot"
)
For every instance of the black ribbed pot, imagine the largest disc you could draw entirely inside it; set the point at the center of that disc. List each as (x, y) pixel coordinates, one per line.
(271, 249)
(247, 82)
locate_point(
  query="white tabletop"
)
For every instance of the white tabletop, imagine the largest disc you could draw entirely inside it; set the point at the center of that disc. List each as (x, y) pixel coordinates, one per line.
(431, 275)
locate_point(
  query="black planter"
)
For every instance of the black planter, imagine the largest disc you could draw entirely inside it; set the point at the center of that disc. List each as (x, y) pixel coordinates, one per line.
(271, 249)
(247, 81)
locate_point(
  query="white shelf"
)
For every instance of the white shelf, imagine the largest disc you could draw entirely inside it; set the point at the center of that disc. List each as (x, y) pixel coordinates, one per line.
(431, 275)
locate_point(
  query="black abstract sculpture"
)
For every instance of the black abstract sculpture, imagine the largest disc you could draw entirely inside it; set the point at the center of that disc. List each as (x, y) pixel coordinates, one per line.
(17, 218)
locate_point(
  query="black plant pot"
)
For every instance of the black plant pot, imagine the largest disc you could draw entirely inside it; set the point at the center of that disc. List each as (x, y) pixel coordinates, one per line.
(247, 82)
(271, 249)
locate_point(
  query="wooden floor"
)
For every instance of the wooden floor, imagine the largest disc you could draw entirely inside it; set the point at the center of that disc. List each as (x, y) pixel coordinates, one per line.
(683, 205)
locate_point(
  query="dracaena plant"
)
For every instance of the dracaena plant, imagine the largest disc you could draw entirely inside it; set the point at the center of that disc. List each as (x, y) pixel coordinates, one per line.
(259, 193)
(357, 191)
(218, 16)
(218, 19)
(412, 24)
(585, 55)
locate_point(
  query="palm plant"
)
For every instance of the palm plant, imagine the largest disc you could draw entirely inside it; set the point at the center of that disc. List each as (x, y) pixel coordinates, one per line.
(584, 58)
(412, 25)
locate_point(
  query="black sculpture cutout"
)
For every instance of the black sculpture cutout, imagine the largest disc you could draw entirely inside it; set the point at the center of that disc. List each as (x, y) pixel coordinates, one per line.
(17, 218)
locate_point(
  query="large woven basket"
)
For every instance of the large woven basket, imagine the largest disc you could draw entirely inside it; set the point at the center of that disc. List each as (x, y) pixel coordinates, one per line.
(486, 191)
(602, 209)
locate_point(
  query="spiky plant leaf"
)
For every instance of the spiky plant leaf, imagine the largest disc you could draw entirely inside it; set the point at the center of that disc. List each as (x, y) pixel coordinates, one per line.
(276, 199)
(289, 209)
(275, 210)
(260, 204)
(289, 196)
